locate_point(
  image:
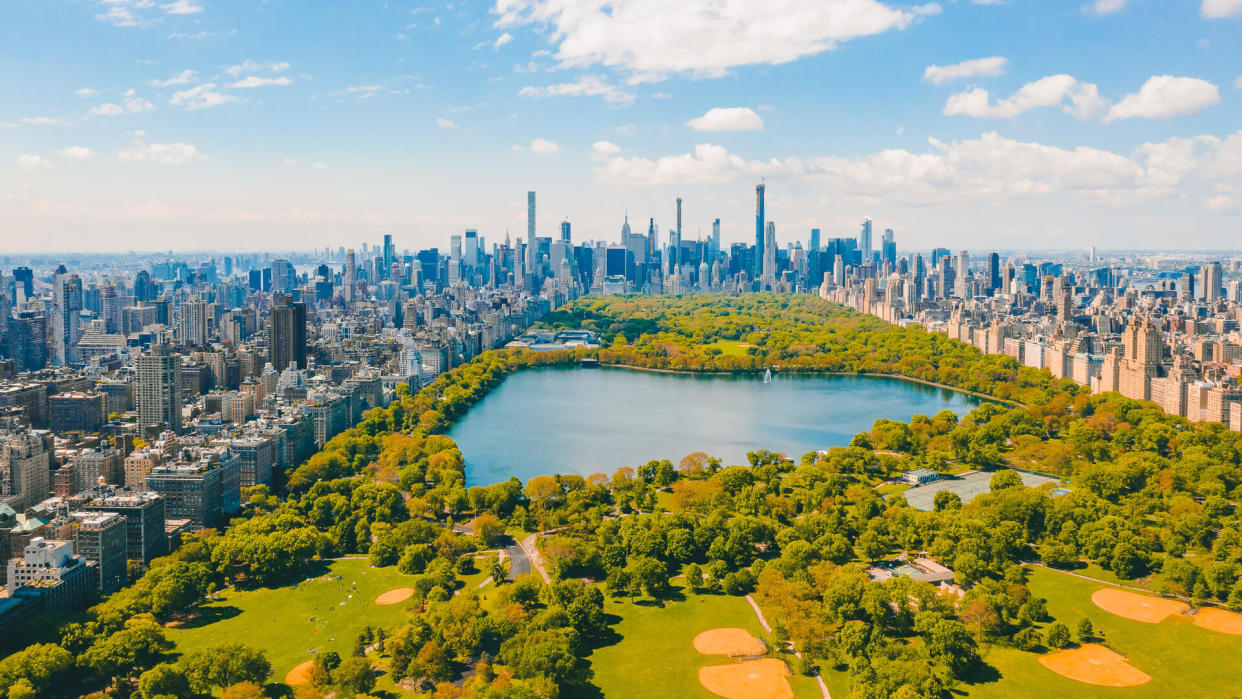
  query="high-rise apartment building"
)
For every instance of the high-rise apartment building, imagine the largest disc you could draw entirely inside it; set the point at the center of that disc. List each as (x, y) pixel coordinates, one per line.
(759, 229)
(157, 389)
(288, 334)
(192, 323)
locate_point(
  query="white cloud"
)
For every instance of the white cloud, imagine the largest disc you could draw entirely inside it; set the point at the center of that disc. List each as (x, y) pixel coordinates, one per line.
(939, 75)
(320, 166)
(86, 92)
(30, 163)
(108, 109)
(1165, 96)
(446, 124)
(589, 85)
(1220, 203)
(727, 119)
(164, 153)
(119, 16)
(1216, 9)
(1238, 83)
(77, 153)
(1084, 99)
(516, 148)
(40, 120)
(1105, 7)
(134, 103)
(289, 161)
(181, 7)
(182, 78)
(543, 147)
(255, 81)
(249, 66)
(989, 168)
(652, 38)
(200, 97)
(605, 148)
(359, 91)
(502, 40)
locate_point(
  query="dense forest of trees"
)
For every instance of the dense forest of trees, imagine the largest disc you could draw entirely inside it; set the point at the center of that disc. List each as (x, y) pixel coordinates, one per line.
(1152, 496)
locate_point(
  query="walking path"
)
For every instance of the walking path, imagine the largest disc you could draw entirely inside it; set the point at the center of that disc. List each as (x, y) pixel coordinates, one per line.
(823, 688)
(1088, 577)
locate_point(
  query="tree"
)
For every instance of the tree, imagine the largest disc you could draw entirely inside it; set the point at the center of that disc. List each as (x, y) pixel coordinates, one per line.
(39, 665)
(244, 690)
(947, 500)
(1005, 479)
(433, 661)
(488, 528)
(948, 642)
(1058, 635)
(226, 665)
(355, 676)
(1085, 630)
(164, 680)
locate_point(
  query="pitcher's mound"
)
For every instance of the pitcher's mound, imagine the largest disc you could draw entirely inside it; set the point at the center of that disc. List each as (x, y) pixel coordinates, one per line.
(1095, 664)
(728, 641)
(400, 594)
(300, 674)
(752, 679)
(1131, 605)
(1219, 620)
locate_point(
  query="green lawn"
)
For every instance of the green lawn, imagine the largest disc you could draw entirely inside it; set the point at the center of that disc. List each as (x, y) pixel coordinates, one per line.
(1183, 659)
(288, 622)
(655, 655)
(731, 347)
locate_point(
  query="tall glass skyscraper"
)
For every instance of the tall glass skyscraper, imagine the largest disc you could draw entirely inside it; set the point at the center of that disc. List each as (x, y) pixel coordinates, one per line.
(759, 228)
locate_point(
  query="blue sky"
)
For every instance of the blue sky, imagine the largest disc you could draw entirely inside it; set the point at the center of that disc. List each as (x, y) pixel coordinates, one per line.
(270, 125)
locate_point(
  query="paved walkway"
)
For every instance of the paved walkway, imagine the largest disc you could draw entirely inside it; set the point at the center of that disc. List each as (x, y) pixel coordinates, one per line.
(532, 552)
(823, 688)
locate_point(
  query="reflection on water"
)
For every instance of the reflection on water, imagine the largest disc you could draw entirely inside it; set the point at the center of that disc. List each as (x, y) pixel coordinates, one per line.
(569, 420)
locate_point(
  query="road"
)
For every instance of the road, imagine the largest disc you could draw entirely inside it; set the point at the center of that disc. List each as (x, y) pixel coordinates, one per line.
(519, 562)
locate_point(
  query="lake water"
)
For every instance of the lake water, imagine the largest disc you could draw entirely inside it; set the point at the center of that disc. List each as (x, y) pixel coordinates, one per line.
(573, 420)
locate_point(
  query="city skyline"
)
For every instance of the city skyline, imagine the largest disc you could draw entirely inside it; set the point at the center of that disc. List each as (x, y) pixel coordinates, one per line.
(131, 125)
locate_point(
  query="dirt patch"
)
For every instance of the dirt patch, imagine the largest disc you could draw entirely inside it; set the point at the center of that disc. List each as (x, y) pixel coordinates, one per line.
(728, 641)
(1132, 605)
(1219, 620)
(1095, 664)
(400, 594)
(300, 674)
(752, 679)
(173, 624)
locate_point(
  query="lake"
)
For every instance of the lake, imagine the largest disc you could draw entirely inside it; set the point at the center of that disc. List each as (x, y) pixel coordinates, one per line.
(575, 420)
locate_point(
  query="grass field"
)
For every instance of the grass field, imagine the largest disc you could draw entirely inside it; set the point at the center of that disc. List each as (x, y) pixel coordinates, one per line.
(288, 622)
(731, 347)
(1182, 659)
(655, 655)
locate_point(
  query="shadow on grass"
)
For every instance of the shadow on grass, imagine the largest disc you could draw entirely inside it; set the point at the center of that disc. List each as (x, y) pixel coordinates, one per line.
(209, 614)
(981, 674)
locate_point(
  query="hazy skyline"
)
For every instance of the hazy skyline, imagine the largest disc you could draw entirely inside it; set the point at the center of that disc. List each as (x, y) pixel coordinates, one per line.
(132, 124)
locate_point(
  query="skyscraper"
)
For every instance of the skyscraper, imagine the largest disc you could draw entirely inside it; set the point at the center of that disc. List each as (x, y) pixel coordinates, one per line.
(888, 252)
(963, 267)
(288, 334)
(1212, 280)
(349, 276)
(532, 250)
(157, 389)
(675, 255)
(814, 246)
(864, 243)
(565, 232)
(994, 273)
(470, 255)
(192, 323)
(715, 248)
(759, 221)
(769, 255)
